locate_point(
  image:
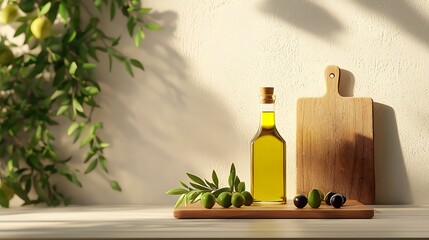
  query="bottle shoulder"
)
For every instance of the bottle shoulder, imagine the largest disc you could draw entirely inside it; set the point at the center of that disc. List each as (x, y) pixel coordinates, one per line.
(264, 132)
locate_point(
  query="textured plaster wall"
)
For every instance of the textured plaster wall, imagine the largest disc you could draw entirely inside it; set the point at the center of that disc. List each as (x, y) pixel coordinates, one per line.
(196, 108)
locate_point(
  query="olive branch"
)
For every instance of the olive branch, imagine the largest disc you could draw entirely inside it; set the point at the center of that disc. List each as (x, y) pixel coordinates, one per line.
(198, 186)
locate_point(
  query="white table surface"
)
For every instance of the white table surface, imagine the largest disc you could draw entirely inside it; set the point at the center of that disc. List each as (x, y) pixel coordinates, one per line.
(158, 222)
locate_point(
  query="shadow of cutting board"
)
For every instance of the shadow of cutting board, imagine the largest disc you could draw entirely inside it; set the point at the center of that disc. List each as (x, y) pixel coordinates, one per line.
(351, 210)
(335, 148)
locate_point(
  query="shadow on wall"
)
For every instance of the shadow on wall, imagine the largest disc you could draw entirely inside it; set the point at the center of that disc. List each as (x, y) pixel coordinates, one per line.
(305, 15)
(392, 183)
(347, 84)
(391, 179)
(401, 13)
(312, 18)
(160, 123)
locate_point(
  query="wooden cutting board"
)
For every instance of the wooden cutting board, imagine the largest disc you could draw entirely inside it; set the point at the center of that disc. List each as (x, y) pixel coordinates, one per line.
(352, 209)
(335, 149)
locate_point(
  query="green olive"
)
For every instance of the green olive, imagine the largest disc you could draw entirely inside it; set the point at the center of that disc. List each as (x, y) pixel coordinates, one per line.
(248, 198)
(314, 198)
(322, 196)
(208, 200)
(224, 199)
(237, 200)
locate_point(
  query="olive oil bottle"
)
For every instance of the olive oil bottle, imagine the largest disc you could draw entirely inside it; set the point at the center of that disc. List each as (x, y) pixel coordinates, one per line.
(268, 155)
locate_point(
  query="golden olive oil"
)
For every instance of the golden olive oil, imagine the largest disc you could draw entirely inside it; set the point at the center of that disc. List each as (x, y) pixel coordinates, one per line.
(268, 155)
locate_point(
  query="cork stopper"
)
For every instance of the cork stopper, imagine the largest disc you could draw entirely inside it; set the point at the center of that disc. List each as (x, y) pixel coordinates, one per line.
(267, 95)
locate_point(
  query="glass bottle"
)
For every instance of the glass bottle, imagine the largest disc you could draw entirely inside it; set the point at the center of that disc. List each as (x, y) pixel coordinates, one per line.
(268, 155)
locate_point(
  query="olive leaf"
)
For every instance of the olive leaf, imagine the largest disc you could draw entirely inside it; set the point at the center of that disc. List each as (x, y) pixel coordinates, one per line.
(180, 200)
(231, 178)
(45, 8)
(176, 191)
(232, 170)
(215, 179)
(236, 182)
(241, 187)
(211, 185)
(184, 185)
(185, 200)
(191, 196)
(115, 185)
(196, 179)
(199, 187)
(198, 197)
(91, 166)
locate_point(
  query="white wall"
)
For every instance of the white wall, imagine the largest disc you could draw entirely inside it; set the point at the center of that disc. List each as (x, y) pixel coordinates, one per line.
(196, 108)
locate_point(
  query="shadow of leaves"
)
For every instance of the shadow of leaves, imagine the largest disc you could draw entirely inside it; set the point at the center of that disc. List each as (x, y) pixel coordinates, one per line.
(305, 15)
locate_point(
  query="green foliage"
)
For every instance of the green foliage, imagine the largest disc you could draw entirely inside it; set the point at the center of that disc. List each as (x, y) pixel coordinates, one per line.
(54, 80)
(199, 187)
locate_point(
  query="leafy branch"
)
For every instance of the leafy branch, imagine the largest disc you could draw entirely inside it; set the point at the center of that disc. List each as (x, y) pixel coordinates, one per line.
(53, 80)
(198, 186)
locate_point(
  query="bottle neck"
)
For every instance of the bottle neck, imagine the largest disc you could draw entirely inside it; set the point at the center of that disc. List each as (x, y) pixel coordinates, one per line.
(267, 116)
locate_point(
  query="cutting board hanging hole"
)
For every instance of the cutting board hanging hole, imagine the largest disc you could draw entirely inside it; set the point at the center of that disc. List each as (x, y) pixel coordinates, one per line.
(332, 77)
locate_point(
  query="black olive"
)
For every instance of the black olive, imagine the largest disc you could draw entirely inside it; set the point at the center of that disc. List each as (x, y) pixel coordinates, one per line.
(337, 200)
(328, 197)
(300, 201)
(344, 199)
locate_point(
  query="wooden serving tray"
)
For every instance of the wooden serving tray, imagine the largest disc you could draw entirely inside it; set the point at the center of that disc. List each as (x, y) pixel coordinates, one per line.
(352, 209)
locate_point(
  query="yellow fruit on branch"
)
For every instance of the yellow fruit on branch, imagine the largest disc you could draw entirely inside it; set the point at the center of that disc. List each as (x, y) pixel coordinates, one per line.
(6, 56)
(41, 27)
(7, 190)
(8, 14)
